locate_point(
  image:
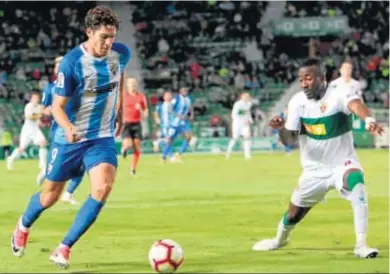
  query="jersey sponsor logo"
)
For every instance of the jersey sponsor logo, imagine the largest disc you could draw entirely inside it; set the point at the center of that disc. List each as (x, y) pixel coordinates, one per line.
(60, 80)
(101, 89)
(318, 129)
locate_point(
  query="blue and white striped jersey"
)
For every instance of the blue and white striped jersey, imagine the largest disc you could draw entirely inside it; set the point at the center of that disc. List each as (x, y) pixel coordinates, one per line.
(181, 105)
(48, 94)
(92, 85)
(164, 111)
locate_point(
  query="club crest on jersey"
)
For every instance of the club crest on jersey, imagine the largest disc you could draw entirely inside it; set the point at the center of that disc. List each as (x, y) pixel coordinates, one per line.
(323, 108)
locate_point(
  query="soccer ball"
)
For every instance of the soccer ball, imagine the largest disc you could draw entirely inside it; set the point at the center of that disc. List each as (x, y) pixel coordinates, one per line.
(165, 256)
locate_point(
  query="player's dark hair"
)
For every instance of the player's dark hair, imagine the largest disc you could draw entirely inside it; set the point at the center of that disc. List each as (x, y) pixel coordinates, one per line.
(314, 62)
(101, 16)
(35, 92)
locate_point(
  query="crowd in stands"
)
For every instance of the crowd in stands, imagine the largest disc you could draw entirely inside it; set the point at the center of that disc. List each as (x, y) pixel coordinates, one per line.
(366, 44)
(218, 49)
(30, 36)
(199, 39)
(218, 46)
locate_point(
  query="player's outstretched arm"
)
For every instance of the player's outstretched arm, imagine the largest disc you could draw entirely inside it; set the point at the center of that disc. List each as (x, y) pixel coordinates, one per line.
(357, 107)
(289, 129)
(287, 136)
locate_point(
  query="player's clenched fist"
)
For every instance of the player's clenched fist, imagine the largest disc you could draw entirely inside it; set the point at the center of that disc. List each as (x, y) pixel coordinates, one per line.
(71, 135)
(374, 128)
(276, 122)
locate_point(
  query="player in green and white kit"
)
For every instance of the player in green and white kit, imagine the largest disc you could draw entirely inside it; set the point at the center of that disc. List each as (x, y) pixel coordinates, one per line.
(319, 116)
(241, 125)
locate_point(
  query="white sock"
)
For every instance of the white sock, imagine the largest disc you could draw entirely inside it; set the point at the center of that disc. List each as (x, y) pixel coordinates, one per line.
(22, 227)
(359, 203)
(15, 154)
(230, 147)
(42, 157)
(247, 149)
(283, 231)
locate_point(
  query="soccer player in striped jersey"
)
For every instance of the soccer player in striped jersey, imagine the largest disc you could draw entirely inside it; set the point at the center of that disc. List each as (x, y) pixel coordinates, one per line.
(47, 100)
(87, 113)
(163, 116)
(181, 109)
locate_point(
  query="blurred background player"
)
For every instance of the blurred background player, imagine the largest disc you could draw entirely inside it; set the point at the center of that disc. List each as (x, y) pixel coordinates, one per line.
(31, 133)
(346, 79)
(87, 111)
(163, 117)
(180, 125)
(135, 108)
(241, 124)
(47, 100)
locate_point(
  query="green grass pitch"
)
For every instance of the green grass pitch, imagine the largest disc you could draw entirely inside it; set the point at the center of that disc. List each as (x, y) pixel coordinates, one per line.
(216, 210)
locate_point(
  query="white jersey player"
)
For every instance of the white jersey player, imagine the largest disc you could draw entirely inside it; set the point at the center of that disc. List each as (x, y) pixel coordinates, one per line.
(320, 116)
(241, 124)
(345, 82)
(31, 134)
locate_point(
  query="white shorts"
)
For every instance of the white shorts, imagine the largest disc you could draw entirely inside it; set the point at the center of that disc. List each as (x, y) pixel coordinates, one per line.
(240, 129)
(29, 135)
(314, 184)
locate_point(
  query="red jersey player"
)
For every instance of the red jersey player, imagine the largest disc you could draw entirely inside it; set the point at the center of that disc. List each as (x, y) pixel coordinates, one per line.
(135, 108)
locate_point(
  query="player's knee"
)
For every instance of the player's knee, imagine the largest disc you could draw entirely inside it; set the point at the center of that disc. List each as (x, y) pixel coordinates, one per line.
(102, 179)
(102, 191)
(354, 178)
(50, 194)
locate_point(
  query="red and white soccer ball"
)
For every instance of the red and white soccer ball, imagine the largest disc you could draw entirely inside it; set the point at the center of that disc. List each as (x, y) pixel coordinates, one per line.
(166, 256)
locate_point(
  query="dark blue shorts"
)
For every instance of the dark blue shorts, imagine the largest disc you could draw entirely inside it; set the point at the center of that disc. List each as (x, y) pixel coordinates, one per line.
(71, 160)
